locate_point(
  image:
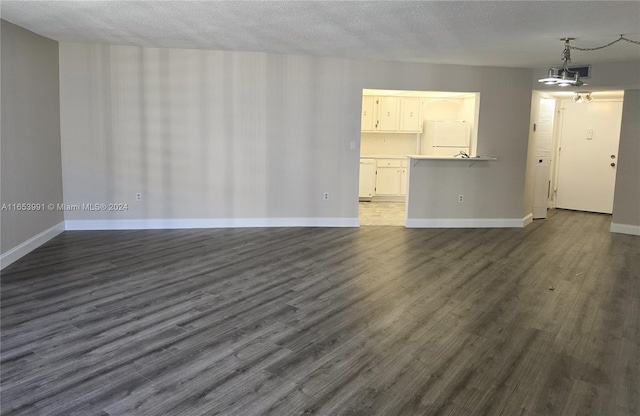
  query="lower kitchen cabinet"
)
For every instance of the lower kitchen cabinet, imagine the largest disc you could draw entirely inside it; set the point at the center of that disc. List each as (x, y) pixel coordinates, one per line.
(403, 178)
(391, 177)
(367, 178)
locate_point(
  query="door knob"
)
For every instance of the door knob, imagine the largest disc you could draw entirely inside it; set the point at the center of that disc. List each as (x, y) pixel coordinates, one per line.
(613, 164)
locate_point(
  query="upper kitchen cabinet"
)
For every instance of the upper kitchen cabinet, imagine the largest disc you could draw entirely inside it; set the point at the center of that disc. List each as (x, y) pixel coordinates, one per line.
(388, 114)
(410, 121)
(369, 113)
(391, 114)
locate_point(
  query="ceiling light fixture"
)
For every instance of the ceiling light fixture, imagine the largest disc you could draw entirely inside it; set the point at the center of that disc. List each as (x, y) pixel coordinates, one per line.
(563, 76)
(577, 98)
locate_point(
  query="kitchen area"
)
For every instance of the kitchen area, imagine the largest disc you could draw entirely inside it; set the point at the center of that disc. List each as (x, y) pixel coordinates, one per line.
(396, 124)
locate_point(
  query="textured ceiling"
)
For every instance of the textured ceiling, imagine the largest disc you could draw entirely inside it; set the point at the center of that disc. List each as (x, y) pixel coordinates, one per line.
(509, 33)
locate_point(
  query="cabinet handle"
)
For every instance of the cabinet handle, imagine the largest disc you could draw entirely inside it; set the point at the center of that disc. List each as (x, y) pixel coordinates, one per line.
(613, 164)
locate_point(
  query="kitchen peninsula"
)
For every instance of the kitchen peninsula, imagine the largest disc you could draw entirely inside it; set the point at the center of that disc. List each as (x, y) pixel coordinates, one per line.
(444, 192)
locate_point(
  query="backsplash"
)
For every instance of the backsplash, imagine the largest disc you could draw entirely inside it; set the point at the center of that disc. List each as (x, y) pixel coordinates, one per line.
(388, 144)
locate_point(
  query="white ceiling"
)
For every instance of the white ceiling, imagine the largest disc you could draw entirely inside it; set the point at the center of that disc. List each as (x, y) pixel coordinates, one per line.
(495, 33)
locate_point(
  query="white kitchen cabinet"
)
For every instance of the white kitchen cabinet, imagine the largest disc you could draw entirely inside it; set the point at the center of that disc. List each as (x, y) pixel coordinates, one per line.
(388, 181)
(389, 177)
(403, 178)
(369, 113)
(388, 114)
(367, 178)
(410, 121)
(391, 114)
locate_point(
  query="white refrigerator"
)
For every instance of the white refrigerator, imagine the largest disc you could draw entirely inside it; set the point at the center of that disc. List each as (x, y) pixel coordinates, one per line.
(445, 138)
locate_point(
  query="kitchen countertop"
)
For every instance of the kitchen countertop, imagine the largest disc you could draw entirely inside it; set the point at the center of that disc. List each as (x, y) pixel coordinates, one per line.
(468, 159)
(383, 156)
(427, 157)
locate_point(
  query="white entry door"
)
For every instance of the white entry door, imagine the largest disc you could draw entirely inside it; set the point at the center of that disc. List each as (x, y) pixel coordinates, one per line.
(588, 157)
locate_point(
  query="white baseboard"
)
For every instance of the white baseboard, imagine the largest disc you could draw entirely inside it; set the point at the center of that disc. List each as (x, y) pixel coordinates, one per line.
(31, 244)
(154, 224)
(625, 229)
(467, 222)
(528, 219)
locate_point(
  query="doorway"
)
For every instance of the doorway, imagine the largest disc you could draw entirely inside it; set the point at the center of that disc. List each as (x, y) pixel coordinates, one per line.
(392, 127)
(587, 151)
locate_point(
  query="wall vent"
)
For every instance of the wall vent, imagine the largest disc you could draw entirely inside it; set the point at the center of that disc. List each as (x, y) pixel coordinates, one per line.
(583, 70)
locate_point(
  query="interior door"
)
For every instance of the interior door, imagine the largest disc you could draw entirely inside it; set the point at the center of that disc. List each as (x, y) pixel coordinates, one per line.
(588, 157)
(543, 147)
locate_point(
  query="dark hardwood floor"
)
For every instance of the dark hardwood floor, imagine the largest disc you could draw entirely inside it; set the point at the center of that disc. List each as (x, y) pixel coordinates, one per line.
(543, 320)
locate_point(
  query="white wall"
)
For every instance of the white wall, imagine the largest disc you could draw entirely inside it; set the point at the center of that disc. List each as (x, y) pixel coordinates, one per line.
(31, 171)
(626, 202)
(219, 135)
(205, 134)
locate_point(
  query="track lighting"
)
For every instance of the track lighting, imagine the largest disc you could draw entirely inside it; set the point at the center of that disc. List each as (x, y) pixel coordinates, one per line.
(581, 97)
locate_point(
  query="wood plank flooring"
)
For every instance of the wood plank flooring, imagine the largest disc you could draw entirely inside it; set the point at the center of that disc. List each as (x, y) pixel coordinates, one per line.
(296, 321)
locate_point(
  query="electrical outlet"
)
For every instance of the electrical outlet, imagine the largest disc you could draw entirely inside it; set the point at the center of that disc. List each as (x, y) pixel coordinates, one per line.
(352, 145)
(138, 196)
(460, 198)
(326, 196)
